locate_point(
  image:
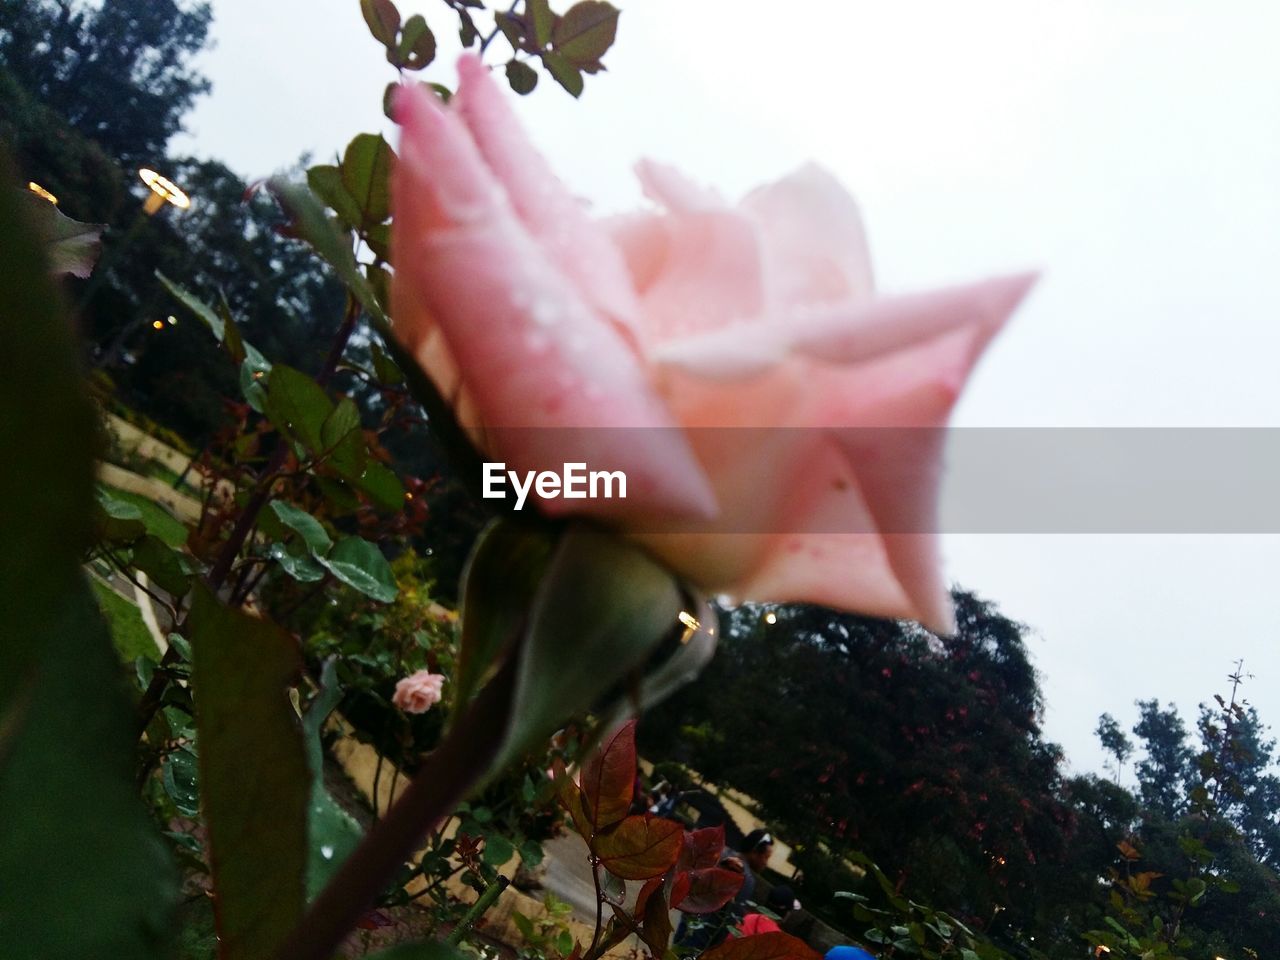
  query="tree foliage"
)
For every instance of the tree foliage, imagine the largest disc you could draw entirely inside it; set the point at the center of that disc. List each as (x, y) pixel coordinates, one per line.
(119, 72)
(855, 734)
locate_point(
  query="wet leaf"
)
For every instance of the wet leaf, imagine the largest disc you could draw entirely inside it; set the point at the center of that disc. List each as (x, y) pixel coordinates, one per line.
(250, 735)
(640, 847)
(360, 564)
(305, 525)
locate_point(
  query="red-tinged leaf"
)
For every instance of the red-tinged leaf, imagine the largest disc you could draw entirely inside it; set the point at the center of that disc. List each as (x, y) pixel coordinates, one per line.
(655, 922)
(375, 919)
(642, 898)
(609, 778)
(571, 798)
(775, 945)
(679, 889)
(707, 890)
(702, 848)
(640, 847)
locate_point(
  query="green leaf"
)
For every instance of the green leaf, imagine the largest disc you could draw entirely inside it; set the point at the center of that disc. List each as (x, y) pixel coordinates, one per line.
(523, 924)
(115, 520)
(301, 566)
(383, 20)
(325, 181)
(305, 525)
(640, 847)
(1196, 887)
(165, 566)
(325, 701)
(297, 406)
(71, 247)
(381, 485)
(332, 832)
(512, 28)
(344, 440)
(231, 338)
(417, 46)
(586, 32)
(384, 367)
(360, 564)
(366, 175)
(539, 11)
(564, 72)
(253, 374)
(497, 850)
(603, 602)
(95, 878)
(332, 835)
(522, 77)
(313, 226)
(193, 303)
(531, 853)
(338, 495)
(498, 586)
(48, 427)
(181, 780)
(249, 735)
(378, 236)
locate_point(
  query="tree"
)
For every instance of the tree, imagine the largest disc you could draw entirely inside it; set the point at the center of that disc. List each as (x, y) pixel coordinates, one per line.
(1115, 742)
(924, 753)
(1163, 771)
(120, 73)
(1235, 774)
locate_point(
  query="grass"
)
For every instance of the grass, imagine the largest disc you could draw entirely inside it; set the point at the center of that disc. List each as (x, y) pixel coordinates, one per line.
(131, 636)
(157, 519)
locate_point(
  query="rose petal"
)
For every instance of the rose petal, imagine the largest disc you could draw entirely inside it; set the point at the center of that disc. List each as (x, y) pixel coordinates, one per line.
(671, 189)
(813, 234)
(844, 333)
(711, 276)
(532, 353)
(571, 239)
(643, 241)
(840, 335)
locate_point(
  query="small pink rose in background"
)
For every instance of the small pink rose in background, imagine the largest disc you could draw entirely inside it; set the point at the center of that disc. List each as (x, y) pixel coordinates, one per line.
(698, 313)
(418, 692)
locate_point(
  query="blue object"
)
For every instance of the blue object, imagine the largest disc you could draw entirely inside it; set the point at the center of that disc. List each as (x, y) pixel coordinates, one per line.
(848, 953)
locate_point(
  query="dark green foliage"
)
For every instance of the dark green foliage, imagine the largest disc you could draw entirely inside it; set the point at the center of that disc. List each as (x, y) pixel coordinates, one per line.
(119, 72)
(1163, 771)
(858, 734)
(78, 880)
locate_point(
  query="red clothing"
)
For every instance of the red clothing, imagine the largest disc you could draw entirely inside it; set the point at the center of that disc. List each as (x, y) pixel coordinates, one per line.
(754, 923)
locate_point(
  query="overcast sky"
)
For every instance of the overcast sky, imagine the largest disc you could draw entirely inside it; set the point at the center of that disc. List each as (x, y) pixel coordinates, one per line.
(1130, 149)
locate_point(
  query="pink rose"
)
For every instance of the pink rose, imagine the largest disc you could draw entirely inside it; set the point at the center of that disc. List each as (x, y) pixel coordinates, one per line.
(529, 314)
(418, 692)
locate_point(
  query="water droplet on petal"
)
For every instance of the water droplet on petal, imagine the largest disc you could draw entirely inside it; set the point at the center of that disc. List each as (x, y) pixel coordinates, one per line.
(327, 852)
(544, 313)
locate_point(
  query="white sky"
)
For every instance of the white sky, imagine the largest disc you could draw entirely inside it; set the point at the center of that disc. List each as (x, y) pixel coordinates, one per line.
(1128, 148)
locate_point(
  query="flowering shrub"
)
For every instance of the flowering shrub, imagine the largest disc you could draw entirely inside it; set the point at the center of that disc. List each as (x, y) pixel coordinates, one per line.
(702, 315)
(296, 502)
